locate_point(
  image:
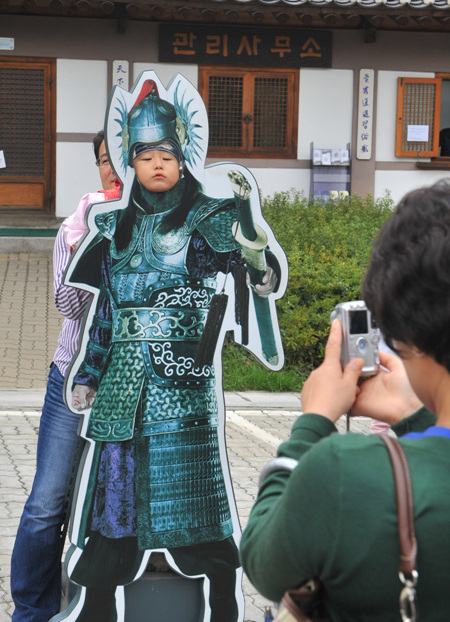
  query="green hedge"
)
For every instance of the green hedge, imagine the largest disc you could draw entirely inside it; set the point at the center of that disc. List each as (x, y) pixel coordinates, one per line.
(327, 246)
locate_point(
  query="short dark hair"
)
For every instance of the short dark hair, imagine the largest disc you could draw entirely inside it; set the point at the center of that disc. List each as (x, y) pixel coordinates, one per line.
(97, 141)
(407, 283)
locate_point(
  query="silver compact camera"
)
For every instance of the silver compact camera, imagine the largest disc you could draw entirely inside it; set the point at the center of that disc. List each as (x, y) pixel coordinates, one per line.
(359, 335)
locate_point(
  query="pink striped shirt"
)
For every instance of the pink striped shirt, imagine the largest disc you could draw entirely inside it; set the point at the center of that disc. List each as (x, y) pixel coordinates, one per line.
(71, 302)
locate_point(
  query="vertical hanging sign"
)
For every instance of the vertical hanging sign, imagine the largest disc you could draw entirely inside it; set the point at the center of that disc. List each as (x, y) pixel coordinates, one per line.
(365, 114)
(121, 74)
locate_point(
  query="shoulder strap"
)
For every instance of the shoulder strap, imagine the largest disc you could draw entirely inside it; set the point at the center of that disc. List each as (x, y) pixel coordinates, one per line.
(408, 544)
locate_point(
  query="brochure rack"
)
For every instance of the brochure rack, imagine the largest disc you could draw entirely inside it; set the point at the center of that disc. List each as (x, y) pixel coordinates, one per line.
(330, 172)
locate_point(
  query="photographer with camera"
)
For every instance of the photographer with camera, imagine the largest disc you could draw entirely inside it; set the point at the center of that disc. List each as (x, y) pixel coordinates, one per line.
(327, 505)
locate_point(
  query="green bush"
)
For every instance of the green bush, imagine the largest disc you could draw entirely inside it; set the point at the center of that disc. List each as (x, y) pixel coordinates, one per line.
(327, 246)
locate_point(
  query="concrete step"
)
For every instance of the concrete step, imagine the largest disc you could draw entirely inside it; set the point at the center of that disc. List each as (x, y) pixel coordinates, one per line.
(30, 233)
(27, 231)
(27, 244)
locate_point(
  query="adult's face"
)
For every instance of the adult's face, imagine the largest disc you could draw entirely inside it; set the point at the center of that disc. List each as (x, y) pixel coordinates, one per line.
(107, 175)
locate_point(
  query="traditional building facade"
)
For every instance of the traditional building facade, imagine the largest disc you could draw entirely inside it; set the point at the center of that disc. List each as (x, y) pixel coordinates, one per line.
(320, 96)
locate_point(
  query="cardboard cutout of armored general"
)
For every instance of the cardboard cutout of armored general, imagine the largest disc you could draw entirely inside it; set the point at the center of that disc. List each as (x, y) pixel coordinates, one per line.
(183, 257)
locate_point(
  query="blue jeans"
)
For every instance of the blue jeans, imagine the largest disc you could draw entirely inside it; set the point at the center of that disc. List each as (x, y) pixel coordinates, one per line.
(36, 557)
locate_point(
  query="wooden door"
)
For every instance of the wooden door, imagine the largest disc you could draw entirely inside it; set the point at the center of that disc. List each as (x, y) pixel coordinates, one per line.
(27, 120)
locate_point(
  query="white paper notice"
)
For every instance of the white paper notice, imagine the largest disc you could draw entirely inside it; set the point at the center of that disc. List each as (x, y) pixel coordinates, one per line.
(418, 133)
(345, 156)
(326, 157)
(317, 156)
(2, 159)
(335, 156)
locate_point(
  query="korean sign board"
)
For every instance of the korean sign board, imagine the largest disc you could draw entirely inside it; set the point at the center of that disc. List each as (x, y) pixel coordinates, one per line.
(237, 46)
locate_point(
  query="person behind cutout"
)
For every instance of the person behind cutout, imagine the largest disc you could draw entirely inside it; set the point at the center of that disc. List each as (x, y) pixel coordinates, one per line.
(35, 561)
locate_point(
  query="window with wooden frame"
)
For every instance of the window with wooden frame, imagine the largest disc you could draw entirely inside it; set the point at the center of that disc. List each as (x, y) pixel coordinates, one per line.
(252, 113)
(418, 117)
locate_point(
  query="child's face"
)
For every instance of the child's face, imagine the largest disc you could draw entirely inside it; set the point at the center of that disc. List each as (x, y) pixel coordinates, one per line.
(157, 170)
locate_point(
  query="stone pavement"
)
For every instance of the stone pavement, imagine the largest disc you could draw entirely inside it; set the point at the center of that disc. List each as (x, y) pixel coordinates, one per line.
(29, 321)
(29, 325)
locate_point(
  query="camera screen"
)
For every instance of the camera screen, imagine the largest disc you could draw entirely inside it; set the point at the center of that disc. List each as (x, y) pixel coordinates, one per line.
(358, 322)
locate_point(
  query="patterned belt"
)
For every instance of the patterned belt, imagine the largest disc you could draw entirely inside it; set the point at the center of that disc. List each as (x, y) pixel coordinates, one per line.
(178, 425)
(155, 324)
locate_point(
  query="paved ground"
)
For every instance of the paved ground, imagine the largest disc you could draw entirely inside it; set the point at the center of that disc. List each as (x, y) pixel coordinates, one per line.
(29, 325)
(29, 321)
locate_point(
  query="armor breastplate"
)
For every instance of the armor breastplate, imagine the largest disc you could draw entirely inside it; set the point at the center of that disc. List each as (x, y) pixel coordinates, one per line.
(147, 252)
(159, 313)
(157, 303)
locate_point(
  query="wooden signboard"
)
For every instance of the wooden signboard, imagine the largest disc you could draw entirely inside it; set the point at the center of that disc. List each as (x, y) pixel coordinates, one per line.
(251, 47)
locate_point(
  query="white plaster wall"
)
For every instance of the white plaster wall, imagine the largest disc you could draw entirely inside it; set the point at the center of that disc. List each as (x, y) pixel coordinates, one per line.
(387, 113)
(325, 109)
(76, 175)
(398, 183)
(82, 95)
(166, 71)
(271, 180)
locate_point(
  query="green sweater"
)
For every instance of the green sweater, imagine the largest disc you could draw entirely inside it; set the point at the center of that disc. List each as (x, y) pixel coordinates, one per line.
(335, 517)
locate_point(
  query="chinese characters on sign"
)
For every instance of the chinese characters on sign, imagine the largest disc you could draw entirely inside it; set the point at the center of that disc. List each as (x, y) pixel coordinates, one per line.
(121, 74)
(365, 114)
(251, 47)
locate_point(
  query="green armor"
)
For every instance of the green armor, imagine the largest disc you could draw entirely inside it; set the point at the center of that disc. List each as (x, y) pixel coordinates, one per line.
(151, 390)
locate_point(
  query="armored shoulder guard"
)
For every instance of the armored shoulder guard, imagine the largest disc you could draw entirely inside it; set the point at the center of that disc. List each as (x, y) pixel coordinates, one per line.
(214, 220)
(106, 224)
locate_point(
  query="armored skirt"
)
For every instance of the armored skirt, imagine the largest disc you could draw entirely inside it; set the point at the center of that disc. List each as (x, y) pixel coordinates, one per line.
(165, 485)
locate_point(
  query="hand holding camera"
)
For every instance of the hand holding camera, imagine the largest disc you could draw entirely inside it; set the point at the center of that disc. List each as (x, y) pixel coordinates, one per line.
(331, 391)
(351, 352)
(360, 337)
(386, 396)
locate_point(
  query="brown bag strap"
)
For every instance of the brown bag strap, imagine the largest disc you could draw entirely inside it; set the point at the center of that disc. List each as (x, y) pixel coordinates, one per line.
(408, 544)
